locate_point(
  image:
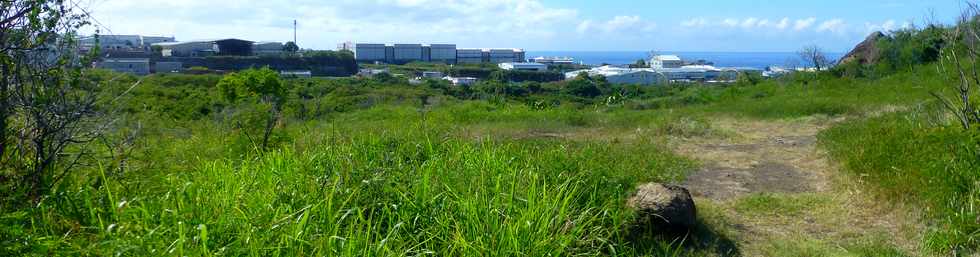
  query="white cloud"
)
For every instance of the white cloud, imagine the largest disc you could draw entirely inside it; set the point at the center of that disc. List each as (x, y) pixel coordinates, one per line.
(763, 23)
(835, 26)
(470, 23)
(730, 22)
(783, 24)
(584, 27)
(803, 24)
(886, 26)
(695, 22)
(750, 23)
(616, 24)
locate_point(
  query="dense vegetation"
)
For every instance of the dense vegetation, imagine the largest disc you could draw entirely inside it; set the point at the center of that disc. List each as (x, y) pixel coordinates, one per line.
(320, 63)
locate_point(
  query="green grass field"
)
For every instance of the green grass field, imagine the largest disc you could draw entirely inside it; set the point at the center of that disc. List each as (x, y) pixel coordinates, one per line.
(369, 170)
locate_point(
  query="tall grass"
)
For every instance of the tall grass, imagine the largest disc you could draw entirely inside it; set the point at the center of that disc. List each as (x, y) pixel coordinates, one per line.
(906, 158)
(407, 192)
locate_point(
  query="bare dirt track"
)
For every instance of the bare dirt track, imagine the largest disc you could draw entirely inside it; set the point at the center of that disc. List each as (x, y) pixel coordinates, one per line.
(770, 184)
(761, 157)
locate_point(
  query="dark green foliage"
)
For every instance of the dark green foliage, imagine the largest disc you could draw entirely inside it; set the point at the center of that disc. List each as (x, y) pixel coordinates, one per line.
(262, 84)
(263, 93)
(320, 63)
(290, 47)
(900, 50)
(584, 86)
(173, 96)
(904, 49)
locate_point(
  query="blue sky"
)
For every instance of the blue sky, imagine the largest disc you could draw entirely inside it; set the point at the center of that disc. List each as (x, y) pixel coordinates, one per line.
(580, 25)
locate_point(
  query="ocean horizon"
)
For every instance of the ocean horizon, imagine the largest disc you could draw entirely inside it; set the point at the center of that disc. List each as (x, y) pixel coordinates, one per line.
(758, 60)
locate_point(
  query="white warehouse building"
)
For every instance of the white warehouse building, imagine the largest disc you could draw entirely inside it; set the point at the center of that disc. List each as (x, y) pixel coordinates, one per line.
(187, 49)
(666, 62)
(526, 66)
(617, 75)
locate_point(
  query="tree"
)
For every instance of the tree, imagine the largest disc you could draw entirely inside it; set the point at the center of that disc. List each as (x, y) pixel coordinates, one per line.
(157, 50)
(640, 64)
(815, 56)
(499, 76)
(290, 47)
(262, 86)
(960, 56)
(46, 104)
(582, 86)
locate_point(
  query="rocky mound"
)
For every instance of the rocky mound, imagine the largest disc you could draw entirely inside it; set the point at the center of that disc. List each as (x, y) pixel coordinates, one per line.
(866, 52)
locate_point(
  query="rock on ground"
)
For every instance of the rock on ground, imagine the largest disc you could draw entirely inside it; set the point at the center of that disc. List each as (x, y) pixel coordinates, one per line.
(663, 207)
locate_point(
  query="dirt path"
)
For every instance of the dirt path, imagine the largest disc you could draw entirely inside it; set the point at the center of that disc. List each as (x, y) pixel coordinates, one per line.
(760, 157)
(775, 190)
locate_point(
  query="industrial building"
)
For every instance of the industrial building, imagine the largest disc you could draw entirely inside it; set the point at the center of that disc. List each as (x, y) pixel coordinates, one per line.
(201, 48)
(461, 81)
(444, 53)
(439, 53)
(406, 53)
(149, 41)
(618, 75)
(122, 42)
(187, 49)
(233, 47)
(432, 75)
(526, 66)
(464, 56)
(136, 66)
(370, 52)
(651, 76)
(553, 60)
(267, 48)
(505, 55)
(666, 62)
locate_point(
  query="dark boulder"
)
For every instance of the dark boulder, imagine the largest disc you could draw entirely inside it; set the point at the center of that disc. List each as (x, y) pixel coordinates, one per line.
(662, 207)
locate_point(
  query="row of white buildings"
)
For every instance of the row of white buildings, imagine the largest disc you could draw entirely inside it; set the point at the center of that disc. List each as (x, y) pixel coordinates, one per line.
(441, 53)
(170, 47)
(663, 69)
(130, 43)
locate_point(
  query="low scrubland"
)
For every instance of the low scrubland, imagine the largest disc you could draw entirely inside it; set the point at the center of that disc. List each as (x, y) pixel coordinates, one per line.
(378, 167)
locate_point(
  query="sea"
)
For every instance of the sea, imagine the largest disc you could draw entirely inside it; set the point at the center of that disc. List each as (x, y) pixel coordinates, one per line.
(757, 60)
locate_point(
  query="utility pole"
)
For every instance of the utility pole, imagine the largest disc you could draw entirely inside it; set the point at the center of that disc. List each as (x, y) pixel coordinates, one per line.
(295, 25)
